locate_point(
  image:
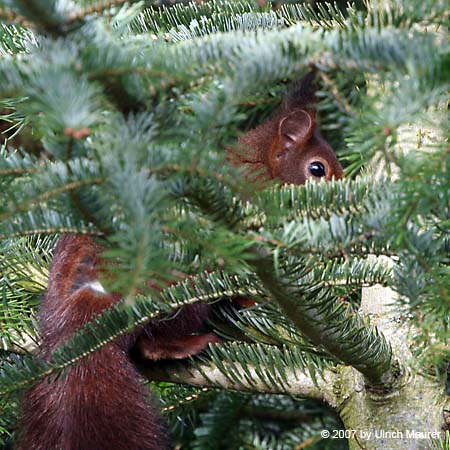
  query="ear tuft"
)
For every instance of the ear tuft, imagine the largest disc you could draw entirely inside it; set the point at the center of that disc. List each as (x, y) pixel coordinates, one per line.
(302, 94)
(296, 129)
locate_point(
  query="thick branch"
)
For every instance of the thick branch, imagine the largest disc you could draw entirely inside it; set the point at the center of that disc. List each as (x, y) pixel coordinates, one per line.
(298, 384)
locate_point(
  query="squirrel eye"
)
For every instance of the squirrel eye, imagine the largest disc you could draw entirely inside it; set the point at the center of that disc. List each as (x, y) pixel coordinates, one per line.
(317, 169)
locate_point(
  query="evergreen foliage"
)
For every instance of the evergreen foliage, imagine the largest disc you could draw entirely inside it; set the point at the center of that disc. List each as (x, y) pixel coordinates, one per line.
(119, 116)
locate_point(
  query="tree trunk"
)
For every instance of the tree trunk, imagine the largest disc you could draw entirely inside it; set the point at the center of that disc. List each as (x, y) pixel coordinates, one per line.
(409, 416)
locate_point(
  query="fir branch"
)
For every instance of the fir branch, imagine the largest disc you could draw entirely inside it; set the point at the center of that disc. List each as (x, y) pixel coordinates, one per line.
(29, 204)
(216, 12)
(313, 311)
(327, 16)
(213, 198)
(207, 375)
(266, 323)
(44, 221)
(323, 200)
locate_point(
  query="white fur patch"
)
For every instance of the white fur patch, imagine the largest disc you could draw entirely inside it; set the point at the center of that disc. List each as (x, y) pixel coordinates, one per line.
(95, 286)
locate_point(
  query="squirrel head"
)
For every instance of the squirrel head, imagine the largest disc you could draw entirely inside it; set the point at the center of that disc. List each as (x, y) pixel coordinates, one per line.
(289, 147)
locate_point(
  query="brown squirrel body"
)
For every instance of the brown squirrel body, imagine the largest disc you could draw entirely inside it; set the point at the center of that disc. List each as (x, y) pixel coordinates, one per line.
(102, 402)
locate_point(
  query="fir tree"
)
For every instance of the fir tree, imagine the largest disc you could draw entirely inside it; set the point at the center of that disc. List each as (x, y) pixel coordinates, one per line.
(117, 116)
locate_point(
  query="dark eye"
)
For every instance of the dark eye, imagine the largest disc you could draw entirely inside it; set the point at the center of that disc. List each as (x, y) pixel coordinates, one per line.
(317, 169)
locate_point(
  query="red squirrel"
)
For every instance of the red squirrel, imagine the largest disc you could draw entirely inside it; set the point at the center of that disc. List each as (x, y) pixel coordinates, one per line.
(102, 402)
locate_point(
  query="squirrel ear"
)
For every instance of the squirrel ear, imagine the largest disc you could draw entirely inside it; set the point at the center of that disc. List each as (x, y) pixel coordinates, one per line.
(296, 128)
